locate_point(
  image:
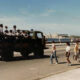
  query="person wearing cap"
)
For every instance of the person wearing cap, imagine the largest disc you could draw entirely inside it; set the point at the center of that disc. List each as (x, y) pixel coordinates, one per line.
(6, 30)
(11, 33)
(1, 28)
(24, 34)
(14, 30)
(18, 32)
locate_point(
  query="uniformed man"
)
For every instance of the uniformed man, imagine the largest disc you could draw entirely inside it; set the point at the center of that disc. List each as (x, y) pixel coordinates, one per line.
(14, 30)
(6, 30)
(18, 32)
(11, 33)
(1, 28)
(23, 33)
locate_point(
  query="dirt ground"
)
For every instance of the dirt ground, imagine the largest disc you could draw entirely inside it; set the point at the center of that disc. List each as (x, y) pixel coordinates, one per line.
(35, 69)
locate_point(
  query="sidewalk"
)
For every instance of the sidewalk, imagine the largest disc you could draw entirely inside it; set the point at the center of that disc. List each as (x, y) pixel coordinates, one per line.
(69, 75)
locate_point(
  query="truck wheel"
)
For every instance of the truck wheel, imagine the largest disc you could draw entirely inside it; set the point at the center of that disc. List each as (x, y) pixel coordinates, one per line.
(42, 53)
(39, 52)
(7, 55)
(24, 54)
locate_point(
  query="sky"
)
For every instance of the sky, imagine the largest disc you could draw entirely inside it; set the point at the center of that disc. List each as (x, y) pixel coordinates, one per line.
(48, 16)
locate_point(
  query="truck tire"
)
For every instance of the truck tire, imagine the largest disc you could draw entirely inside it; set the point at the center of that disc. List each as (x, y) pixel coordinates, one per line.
(24, 54)
(38, 51)
(7, 55)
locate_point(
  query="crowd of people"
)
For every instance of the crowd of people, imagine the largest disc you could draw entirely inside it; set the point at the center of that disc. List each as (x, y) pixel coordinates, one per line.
(13, 32)
(67, 53)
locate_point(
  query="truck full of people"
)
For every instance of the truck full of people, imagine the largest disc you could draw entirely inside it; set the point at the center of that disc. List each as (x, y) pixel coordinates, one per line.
(23, 41)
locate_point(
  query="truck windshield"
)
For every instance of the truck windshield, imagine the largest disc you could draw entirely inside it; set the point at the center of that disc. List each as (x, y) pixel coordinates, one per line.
(39, 35)
(31, 34)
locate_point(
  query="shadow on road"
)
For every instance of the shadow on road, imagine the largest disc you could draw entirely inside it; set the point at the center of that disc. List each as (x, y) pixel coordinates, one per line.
(19, 58)
(62, 62)
(75, 64)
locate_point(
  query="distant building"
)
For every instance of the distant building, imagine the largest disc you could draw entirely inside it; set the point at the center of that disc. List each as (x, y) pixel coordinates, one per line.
(63, 35)
(56, 35)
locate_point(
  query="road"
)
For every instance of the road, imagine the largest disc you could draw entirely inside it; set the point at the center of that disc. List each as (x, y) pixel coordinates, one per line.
(68, 75)
(35, 69)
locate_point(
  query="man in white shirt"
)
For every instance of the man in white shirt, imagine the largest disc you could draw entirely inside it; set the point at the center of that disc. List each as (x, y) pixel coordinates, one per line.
(53, 54)
(10, 33)
(68, 53)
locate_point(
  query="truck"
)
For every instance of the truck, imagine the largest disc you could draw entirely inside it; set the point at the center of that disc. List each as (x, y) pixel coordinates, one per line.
(34, 43)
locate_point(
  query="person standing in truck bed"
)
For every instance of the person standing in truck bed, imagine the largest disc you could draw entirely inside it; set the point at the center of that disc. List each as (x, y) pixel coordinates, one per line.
(1, 28)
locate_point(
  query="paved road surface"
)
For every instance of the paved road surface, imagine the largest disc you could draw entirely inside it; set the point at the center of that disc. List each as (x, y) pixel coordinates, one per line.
(69, 75)
(35, 69)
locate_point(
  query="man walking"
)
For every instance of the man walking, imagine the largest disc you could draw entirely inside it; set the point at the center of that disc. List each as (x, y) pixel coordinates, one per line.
(1, 28)
(53, 54)
(68, 53)
(76, 51)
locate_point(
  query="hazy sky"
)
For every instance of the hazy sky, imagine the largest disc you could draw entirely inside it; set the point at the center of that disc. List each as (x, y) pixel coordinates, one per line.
(54, 16)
